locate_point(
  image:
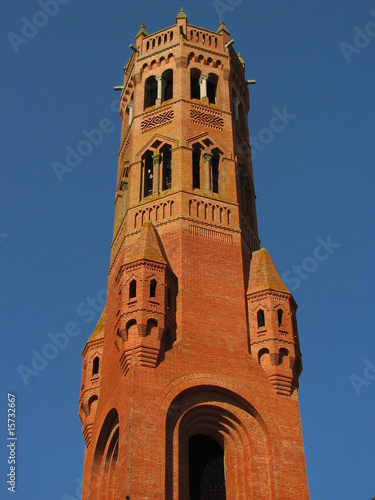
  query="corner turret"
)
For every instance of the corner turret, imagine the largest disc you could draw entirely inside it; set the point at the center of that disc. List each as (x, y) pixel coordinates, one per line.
(273, 325)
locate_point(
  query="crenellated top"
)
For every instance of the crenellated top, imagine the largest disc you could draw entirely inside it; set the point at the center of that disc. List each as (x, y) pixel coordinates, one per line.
(214, 40)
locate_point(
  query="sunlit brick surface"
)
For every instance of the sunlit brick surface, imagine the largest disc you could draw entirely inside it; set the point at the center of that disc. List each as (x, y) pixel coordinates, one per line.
(180, 346)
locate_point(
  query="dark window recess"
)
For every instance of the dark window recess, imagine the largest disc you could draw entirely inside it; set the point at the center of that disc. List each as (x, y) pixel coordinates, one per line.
(167, 168)
(153, 289)
(132, 289)
(95, 366)
(206, 469)
(260, 317)
(195, 91)
(196, 168)
(168, 84)
(215, 173)
(148, 175)
(151, 92)
(280, 317)
(211, 88)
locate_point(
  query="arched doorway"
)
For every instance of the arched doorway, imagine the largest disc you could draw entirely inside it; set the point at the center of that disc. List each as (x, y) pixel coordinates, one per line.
(206, 469)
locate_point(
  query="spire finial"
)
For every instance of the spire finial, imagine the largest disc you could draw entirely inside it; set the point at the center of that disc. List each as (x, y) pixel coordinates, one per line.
(181, 14)
(222, 27)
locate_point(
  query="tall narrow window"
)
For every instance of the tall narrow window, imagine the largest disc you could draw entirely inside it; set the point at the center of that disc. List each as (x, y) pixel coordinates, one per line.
(132, 289)
(196, 167)
(215, 172)
(195, 92)
(95, 366)
(169, 298)
(280, 317)
(148, 174)
(206, 468)
(167, 168)
(151, 90)
(167, 80)
(211, 88)
(152, 289)
(260, 317)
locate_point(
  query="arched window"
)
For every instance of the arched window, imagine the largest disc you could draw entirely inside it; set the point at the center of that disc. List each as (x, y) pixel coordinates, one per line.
(260, 318)
(132, 289)
(148, 174)
(105, 459)
(195, 92)
(211, 88)
(283, 356)
(264, 358)
(153, 289)
(151, 91)
(215, 172)
(196, 167)
(95, 366)
(167, 167)
(280, 317)
(167, 80)
(206, 468)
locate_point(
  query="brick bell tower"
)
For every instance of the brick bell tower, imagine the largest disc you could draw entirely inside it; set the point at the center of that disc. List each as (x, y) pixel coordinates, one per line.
(189, 381)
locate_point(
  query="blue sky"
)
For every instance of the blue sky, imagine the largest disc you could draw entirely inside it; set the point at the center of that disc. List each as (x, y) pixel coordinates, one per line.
(314, 64)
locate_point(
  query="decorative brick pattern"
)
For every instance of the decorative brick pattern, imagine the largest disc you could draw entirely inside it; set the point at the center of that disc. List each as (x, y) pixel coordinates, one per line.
(207, 117)
(157, 120)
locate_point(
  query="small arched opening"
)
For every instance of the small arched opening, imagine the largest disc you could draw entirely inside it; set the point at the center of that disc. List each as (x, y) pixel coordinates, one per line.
(151, 90)
(261, 318)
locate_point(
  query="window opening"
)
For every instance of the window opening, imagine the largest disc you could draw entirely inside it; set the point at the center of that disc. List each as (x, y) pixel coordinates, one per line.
(95, 366)
(132, 289)
(195, 92)
(261, 319)
(215, 173)
(280, 317)
(167, 168)
(148, 174)
(196, 167)
(151, 90)
(168, 85)
(153, 289)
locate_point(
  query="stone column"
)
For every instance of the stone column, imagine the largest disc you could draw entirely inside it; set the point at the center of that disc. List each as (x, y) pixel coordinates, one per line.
(155, 182)
(159, 92)
(203, 85)
(206, 171)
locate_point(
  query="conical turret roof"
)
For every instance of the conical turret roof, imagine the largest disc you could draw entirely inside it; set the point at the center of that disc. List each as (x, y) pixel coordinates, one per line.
(98, 332)
(263, 274)
(147, 247)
